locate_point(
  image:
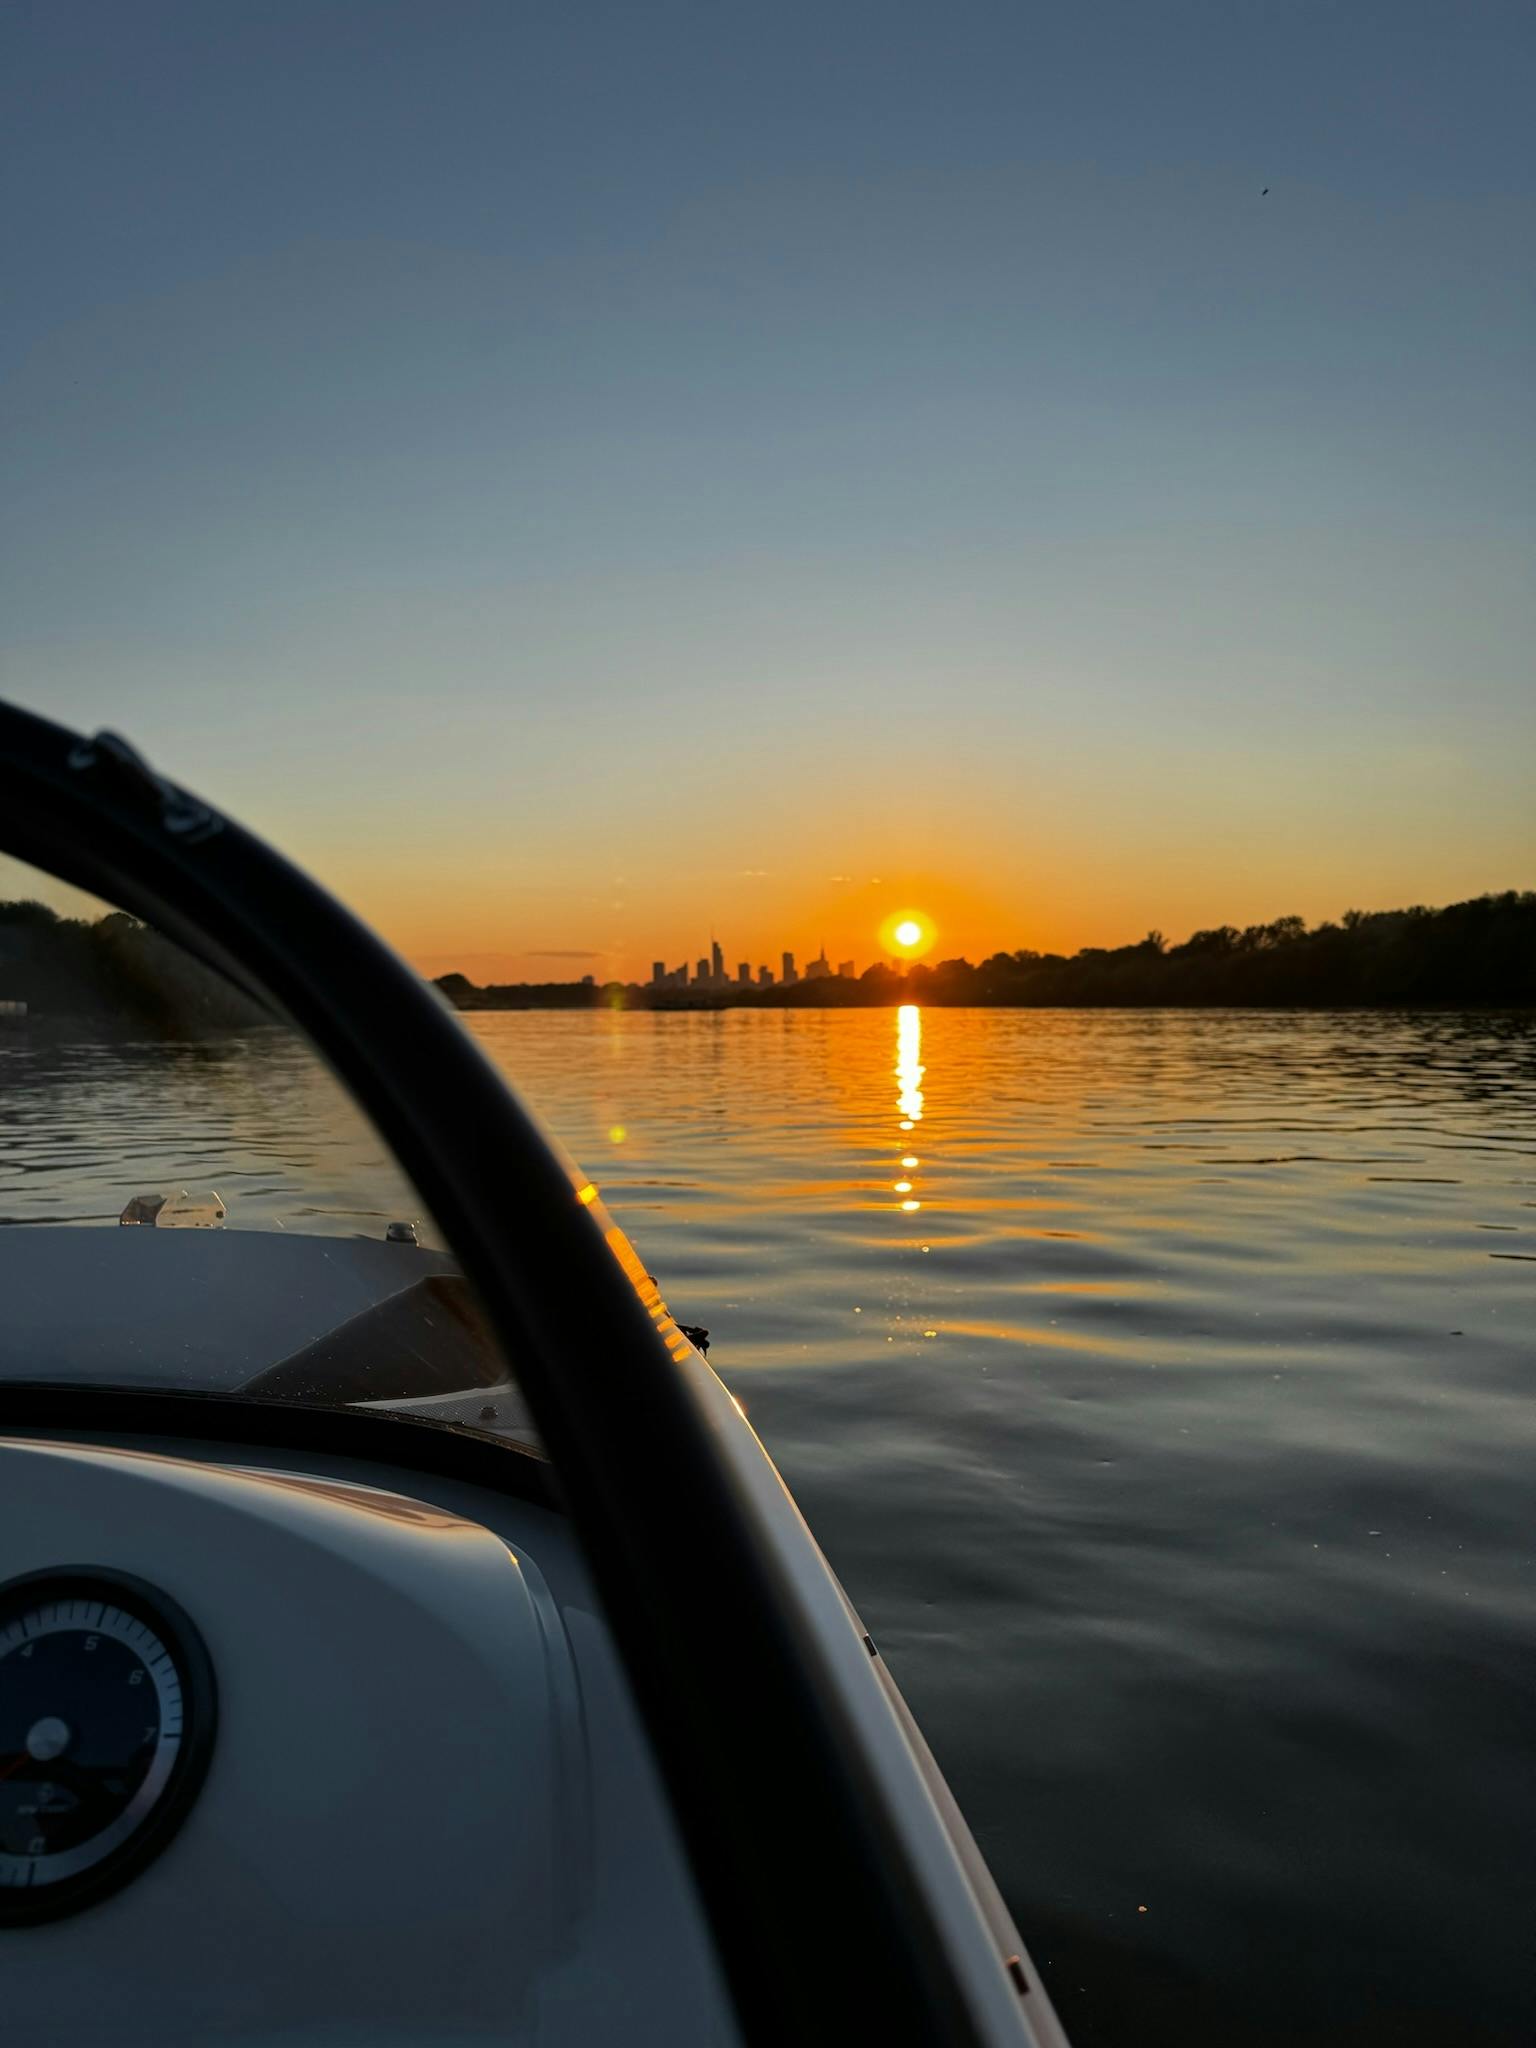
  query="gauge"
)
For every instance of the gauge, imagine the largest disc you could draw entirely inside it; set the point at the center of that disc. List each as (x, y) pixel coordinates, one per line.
(106, 1721)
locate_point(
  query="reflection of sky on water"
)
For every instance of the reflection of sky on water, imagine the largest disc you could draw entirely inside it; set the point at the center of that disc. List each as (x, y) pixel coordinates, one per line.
(88, 1124)
(1179, 1462)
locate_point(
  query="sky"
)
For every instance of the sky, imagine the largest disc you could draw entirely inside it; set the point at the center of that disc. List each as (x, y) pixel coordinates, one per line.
(580, 477)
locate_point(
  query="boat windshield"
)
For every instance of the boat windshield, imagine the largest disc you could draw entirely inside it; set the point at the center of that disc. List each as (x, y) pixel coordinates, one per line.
(190, 1199)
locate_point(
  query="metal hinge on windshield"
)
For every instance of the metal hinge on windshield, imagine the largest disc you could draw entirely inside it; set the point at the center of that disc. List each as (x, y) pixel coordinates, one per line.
(112, 758)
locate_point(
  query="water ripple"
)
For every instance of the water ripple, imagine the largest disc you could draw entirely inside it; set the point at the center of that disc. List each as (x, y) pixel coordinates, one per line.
(1176, 1445)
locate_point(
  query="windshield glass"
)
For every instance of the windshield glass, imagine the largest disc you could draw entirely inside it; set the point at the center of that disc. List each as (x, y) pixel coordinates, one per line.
(189, 1198)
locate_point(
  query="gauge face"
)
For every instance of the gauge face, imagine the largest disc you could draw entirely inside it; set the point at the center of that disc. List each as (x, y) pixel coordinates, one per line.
(105, 1719)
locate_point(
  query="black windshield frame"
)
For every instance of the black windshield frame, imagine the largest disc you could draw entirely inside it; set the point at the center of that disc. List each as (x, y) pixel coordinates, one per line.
(824, 1931)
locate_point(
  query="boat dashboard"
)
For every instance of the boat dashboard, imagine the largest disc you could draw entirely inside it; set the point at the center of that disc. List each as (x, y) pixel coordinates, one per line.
(311, 1726)
(302, 1747)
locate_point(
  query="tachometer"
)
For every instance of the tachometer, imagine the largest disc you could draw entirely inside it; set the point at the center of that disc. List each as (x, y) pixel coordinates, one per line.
(106, 1720)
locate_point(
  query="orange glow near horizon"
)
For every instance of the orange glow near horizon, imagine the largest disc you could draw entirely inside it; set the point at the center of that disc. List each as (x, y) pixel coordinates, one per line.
(447, 913)
(461, 880)
(562, 930)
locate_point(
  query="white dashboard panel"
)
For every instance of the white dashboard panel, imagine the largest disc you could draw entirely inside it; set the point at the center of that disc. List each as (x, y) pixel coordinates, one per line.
(398, 1839)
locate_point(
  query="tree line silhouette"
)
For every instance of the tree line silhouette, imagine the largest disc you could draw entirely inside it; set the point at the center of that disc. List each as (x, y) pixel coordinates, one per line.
(1478, 954)
(115, 971)
(1481, 953)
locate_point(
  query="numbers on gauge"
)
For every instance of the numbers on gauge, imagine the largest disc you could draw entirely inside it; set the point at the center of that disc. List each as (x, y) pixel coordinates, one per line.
(80, 1763)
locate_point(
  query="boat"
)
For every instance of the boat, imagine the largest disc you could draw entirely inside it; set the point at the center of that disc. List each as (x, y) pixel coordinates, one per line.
(404, 1636)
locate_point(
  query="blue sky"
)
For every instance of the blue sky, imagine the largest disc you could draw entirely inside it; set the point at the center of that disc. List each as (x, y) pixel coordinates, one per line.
(575, 473)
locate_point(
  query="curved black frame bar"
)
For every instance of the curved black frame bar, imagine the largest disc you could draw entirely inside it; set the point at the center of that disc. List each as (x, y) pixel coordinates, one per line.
(824, 1928)
(20, 1907)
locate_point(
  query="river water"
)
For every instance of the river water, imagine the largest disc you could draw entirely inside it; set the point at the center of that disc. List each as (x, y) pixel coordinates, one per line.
(1160, 1384)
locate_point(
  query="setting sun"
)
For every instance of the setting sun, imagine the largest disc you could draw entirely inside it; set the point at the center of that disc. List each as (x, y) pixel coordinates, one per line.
(907, 934)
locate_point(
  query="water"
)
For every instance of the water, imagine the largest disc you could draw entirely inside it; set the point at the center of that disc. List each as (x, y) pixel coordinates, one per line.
(1177, 1446)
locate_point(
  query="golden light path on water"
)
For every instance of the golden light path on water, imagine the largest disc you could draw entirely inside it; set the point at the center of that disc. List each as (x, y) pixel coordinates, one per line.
(909, 1064)
(909, 1097)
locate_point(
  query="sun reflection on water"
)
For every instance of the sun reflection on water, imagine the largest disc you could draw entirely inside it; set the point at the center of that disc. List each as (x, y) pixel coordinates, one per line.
(909, 1099)
(909, 1064)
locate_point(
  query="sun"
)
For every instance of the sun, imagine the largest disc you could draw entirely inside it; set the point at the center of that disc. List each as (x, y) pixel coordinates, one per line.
(907, 934)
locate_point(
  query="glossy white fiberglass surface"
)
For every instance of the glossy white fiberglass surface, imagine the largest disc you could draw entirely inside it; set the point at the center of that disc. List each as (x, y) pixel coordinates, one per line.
(430, 1817)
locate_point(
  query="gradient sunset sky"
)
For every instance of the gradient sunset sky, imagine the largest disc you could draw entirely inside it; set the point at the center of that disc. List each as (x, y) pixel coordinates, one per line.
(577, 476)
